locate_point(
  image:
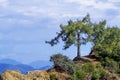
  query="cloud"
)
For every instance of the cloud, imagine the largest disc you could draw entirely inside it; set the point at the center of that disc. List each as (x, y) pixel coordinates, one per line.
(85, 2)
(114, 0)
(115, 21)
(4, 3)
(58, 10)
(40, 9)
(93, 3)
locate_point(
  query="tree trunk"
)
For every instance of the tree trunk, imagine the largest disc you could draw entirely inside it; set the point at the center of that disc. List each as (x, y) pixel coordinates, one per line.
(78, 44)
(78, 51)
(77, 58)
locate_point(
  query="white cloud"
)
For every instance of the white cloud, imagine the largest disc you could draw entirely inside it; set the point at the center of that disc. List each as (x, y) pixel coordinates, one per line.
(82, 2)
(4, 3)
(93, 3)
(114, 0)
(115, 21)
(57, 10)
(104, 6)
(11, 23)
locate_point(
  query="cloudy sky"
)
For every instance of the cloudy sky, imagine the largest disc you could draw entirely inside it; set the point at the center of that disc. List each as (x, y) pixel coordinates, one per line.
(25, 25)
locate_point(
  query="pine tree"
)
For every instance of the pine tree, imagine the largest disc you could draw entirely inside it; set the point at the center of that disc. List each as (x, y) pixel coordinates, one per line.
(74, 33)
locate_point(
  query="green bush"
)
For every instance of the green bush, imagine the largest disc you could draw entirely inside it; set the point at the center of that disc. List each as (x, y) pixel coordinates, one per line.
(83, 72)
(107, 44)
(63, 63)
(102, 71)
(79, 75)
(88, 67)
(110, 65)
(95, 74)
(103, 74)
(52, 76)
(118, 71)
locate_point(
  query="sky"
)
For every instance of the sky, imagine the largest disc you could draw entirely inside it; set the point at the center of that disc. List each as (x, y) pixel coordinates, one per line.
(25, 25)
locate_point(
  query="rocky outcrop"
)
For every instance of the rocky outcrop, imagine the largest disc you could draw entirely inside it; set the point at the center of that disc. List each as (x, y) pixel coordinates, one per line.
(16, 75)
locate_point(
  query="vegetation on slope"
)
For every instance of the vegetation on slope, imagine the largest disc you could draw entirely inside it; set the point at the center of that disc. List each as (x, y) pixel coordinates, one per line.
(79, 71)
(106, 46)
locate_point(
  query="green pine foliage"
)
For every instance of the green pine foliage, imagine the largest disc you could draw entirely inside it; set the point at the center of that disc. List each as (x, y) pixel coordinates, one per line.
(74, 33)
(107, 48)
(109, 44)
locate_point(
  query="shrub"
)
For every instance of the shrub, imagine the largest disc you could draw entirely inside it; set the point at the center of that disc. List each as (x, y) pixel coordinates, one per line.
(95, 74)
(83, 72)
(103, 74)
(63, 63)
(52, 76)
(102, 71)
(88, 67)
(118, 71)
(79, 75)
(110, 65)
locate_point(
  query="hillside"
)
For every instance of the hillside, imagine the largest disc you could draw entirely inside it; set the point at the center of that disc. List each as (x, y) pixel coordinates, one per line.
(34, 75)
(51, 74)
(86, 69)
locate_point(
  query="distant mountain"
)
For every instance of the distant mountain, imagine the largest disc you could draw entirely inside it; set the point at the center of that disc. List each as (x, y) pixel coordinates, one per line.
(10, 64)
(25, 68)
(42, 65)
(21, 67)
(45, 67)
(9, 61)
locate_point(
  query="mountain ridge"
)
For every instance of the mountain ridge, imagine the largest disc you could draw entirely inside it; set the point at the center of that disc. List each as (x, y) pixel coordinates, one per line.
(11, 64)
(21, 67)
(40, 64)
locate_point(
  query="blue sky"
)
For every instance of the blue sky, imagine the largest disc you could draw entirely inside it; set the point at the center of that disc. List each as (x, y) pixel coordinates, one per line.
(25, 25)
